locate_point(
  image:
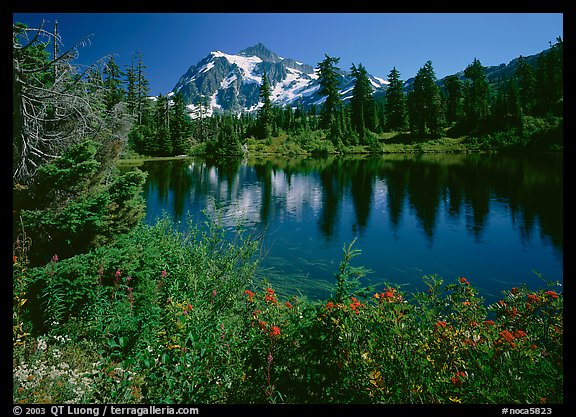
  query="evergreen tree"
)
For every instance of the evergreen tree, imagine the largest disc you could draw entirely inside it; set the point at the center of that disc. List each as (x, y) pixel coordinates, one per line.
(362, 107)
(130, 81)
(141, 90)
(426, 114)
(328, 79)
(506, 109)
(526, 80)
(395, 107)
(180, 126)
(301, 118)
(162, 141)
(265, 112)
(454, 97)
(549, 79)
(113, 84)
(476, 94)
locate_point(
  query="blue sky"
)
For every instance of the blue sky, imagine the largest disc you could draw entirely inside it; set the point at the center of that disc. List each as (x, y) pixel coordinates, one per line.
(172, 42)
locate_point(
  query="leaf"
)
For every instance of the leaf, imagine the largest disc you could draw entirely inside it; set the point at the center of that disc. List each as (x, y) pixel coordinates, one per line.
(123, 341)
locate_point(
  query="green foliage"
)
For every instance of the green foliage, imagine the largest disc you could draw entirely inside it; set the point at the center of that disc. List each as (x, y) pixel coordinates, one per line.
(329, 81)
(395, 107)
(426, 113)
(70, 207)
(476, 95)
(162, 316)
(362, 105)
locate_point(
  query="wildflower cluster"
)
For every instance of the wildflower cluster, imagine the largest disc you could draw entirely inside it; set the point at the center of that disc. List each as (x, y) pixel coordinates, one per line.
(390, 295)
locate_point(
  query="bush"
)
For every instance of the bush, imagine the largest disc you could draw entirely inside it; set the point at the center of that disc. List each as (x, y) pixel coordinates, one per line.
(172, 317)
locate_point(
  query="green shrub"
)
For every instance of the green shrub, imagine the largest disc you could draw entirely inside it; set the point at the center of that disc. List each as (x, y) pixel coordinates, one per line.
(164, 316)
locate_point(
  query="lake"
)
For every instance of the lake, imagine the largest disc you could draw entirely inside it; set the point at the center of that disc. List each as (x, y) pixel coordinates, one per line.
(495, 219)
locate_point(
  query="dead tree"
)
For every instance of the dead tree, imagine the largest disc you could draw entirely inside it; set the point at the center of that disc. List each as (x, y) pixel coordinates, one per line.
(51, 105)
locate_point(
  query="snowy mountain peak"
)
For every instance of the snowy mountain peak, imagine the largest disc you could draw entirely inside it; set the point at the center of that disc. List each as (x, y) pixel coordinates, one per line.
(231, 82)
(261, 52)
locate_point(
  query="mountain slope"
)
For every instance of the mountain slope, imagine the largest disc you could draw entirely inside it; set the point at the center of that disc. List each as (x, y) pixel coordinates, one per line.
(231, 82)
(223, 82)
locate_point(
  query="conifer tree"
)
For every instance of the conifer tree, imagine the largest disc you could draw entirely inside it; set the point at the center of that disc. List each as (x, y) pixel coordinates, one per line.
(476, 94)
(362, 107)
(113, 84)
(395, 107)
(141, 90)
(526, 80)
(426, 114)
(180, 126)
(329, 83)
(265, 112)
(130, 82)
(454, 97)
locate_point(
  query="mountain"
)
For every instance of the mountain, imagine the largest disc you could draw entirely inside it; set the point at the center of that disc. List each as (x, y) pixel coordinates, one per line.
(231, 82)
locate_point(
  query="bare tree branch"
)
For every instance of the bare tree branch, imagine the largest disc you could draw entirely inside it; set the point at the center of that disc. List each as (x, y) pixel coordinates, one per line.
(52, 109)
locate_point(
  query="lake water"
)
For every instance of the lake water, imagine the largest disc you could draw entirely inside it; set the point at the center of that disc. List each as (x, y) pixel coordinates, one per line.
(495, 219)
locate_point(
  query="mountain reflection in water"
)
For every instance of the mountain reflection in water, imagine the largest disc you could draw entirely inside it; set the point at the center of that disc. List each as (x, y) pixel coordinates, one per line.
(496, 219)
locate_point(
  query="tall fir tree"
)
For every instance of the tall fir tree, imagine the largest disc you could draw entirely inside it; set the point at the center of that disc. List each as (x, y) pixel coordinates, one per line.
(526, 80)
(142, 90)
(454, 97)
(395, 107)
(113, 93)
(476, 95)
(426, 114)
(180, 126)
(265, 112)
(130, 82)
(362, 106)
(329, 81)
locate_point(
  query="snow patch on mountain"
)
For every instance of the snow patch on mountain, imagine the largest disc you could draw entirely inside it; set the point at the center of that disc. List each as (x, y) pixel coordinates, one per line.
(231, 82)
(246, 64)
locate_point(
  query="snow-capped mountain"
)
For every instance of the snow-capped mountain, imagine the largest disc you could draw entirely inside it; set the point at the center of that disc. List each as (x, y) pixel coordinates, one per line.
(231, 82)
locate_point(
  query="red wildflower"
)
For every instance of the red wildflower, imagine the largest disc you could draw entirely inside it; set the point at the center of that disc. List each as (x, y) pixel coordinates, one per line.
(466, 303)
(457, 378)
(489, 322)
(507, 335)
(287, 304)
(440, 324)
(533, 346)
(189, 306)
(274, 331)
(552, 293)
(464, 281)
(514, 290)
(355, 304)
(262, 324)
(250, 295)
(329, 305)
(520, 333)
(533, 298)
(270, 297)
